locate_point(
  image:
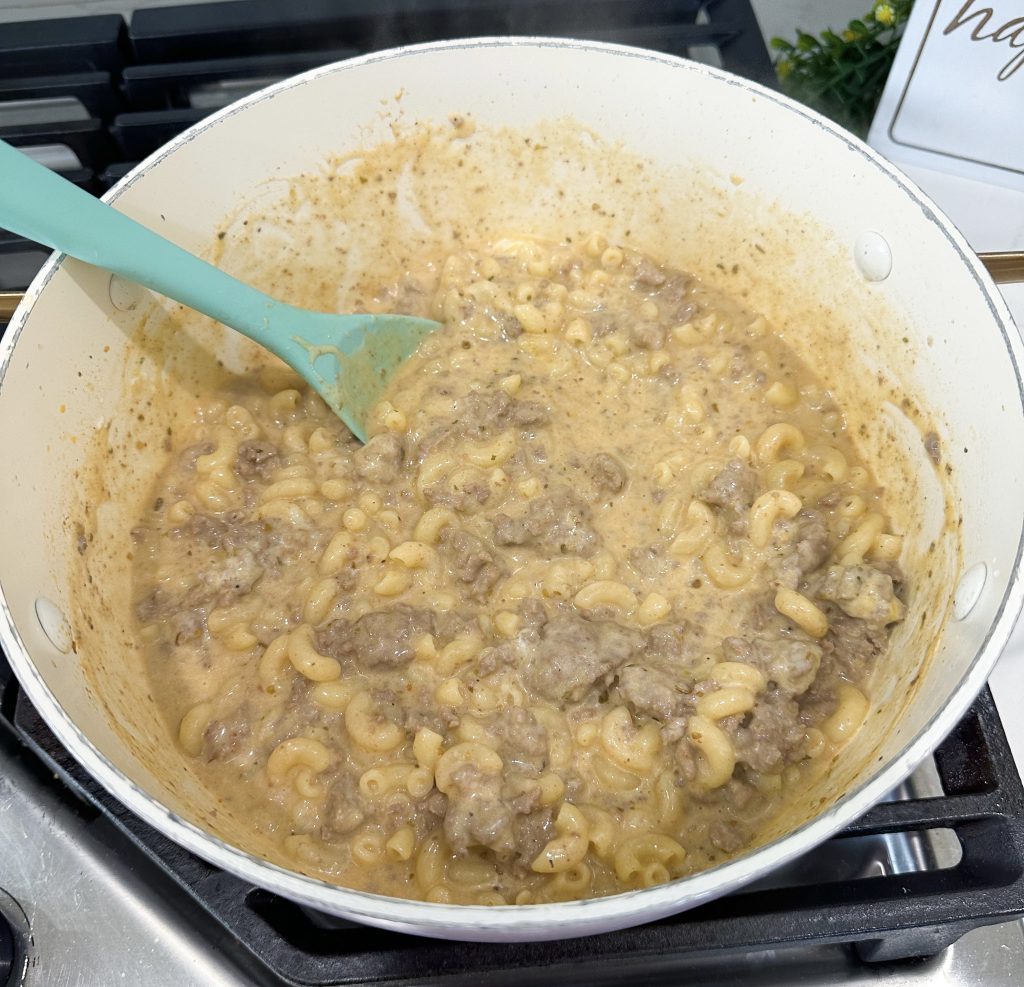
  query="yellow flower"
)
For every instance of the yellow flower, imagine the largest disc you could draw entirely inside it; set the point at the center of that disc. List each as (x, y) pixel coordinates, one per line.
(784, 69)
(849, 35)
(884, 14)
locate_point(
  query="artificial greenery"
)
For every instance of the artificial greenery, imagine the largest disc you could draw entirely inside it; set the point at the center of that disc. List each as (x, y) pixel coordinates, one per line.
(842, 75)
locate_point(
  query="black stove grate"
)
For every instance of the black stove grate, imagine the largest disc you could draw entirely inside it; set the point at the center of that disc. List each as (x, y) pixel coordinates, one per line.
(95, 94)
(882, 916)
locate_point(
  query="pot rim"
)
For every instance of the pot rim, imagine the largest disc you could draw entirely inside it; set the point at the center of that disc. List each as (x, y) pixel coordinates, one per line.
(562, 919)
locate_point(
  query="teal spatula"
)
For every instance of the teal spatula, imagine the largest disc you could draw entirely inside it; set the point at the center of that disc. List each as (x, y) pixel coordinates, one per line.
(347, 359)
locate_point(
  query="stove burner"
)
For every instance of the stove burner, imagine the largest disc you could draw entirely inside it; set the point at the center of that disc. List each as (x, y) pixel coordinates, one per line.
(14, 941)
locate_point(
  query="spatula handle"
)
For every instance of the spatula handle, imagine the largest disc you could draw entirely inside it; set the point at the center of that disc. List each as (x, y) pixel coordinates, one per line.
(37, 203)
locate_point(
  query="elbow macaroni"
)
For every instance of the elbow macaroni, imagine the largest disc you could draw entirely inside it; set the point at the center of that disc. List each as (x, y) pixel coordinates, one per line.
(523, 646)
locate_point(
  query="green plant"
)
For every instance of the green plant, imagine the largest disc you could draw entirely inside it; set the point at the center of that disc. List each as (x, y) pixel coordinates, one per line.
(843, 75)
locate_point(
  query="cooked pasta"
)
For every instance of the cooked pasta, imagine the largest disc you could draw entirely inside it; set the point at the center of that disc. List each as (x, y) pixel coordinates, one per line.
(607, 582)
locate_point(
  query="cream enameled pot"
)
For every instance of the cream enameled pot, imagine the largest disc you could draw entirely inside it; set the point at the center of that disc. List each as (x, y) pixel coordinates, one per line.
(869, 281)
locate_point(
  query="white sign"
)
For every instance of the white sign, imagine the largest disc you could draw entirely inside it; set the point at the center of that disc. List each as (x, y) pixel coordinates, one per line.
(955, 98)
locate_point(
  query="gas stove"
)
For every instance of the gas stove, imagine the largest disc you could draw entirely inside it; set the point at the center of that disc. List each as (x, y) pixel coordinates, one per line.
(926, 889)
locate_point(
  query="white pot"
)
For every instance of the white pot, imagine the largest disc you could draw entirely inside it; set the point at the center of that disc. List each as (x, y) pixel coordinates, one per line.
(730, 164)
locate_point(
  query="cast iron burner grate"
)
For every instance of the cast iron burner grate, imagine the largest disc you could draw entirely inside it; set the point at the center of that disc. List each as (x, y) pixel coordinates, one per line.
(92, 96)
(842, 893)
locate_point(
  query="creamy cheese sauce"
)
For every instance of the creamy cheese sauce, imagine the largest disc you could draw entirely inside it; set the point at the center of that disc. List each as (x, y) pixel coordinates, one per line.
(607, 582)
